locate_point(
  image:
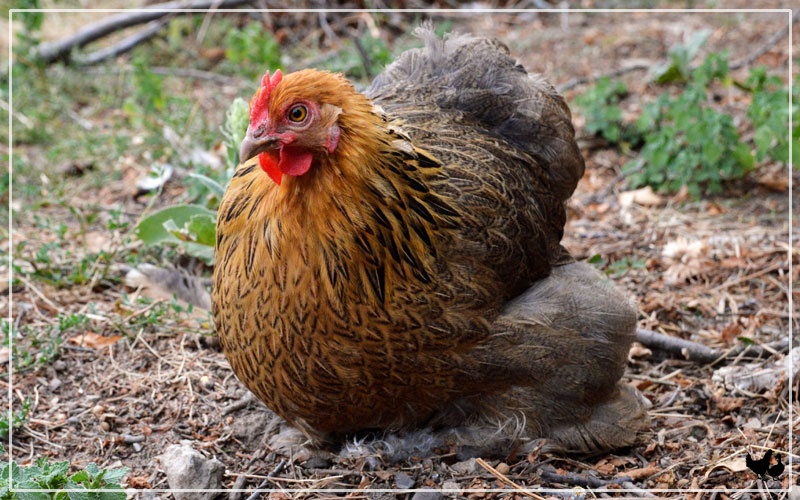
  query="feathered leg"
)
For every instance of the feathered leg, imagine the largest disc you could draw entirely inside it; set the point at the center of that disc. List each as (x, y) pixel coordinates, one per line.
(555, 357)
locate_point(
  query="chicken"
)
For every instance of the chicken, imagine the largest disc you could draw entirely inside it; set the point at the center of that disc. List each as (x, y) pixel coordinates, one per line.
(777, 469)
(759, 466)
(392, 260)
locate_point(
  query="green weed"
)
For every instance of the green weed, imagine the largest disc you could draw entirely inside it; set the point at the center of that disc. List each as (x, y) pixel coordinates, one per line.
(17, 420)
(192, 226)
(678, 68)
(600, 105)
(43, 475)
(687, 141)
(253, 49)
(769, 111)
(361, 58)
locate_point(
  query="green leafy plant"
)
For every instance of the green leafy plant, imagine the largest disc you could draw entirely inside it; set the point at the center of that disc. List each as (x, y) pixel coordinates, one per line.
(234, 129)
(253, 50)
(678, 68)
(15, 420)
(600, 105)
(32, 347)
(796, 121)
(361, 58)
(32, 22)
(43, 475)
(687, 142)
(192, 226)
(149, 87)
(769, 111)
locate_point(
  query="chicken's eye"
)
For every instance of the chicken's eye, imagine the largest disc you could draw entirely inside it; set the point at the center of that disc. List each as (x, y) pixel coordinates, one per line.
(298, 113)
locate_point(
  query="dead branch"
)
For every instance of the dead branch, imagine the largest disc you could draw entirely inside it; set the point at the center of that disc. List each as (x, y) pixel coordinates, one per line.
(777, 37)
(505, 480)
(692, 351)
(548, 473)
(49, 52)
(121, 47)
(266, 482)
(687, 349)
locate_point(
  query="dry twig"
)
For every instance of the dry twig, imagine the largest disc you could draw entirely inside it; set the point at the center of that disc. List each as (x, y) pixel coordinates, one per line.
(549, 474)
(503, 479)
(687, 349)
(49, 52)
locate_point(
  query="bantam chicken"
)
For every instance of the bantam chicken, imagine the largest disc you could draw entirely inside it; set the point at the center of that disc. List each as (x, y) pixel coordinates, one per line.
(391, 261)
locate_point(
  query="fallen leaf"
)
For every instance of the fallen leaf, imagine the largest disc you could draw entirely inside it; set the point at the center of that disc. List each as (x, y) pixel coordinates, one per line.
(732, 263)
(735, 464)
(5, 355)
(780, 184)
(640, 473)
(591, 35)
(682, 195)
(714, 208)
(644, 196)
(637, 350)
(604, 467)
(727, 404)
(138, 482)
(731, 332)
(94, 341)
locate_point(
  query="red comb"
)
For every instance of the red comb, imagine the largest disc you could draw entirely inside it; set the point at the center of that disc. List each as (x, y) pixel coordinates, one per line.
(260, 101)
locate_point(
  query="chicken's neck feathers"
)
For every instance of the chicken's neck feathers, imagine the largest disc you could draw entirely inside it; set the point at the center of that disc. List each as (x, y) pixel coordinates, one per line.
(361, 221)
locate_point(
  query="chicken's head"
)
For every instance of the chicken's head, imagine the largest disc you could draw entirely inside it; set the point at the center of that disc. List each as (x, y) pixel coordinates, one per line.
(289, 125)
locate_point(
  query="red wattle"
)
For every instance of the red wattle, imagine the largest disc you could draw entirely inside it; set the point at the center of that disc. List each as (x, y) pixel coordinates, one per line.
(295, 161)
(270, 166)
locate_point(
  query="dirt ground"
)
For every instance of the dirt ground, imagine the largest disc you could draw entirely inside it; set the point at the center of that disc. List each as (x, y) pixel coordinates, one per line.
(712, 271)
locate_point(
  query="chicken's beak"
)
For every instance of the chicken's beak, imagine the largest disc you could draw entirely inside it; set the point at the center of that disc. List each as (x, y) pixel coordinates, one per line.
(252, 146)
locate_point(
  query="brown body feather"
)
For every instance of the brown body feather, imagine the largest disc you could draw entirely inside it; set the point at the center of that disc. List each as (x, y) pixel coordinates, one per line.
(374, 291)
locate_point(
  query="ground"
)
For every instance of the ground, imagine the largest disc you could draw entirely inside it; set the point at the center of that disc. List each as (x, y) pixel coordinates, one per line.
(102, 373)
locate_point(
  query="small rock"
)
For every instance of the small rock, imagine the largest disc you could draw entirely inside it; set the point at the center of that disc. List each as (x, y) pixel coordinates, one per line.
(427, 495)
(465, 467)
(187, 469)
(206, 382)
(403, 481)
(55, 383)
(502, 468)
(451, 486)
(249, 428)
